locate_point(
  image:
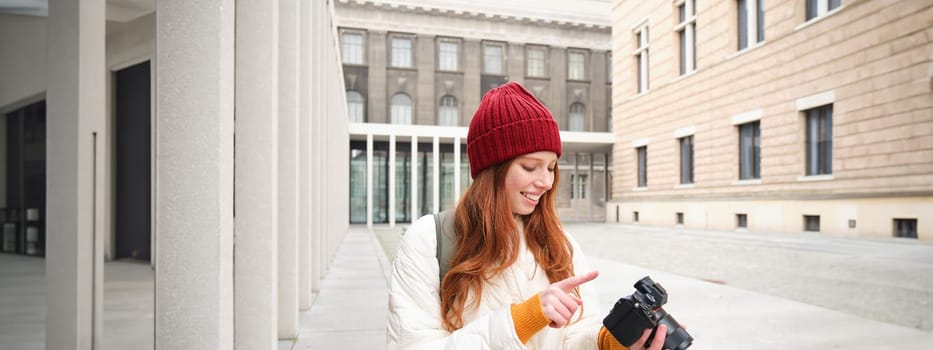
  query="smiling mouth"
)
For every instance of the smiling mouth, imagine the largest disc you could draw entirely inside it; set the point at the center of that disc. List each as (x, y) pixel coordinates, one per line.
(533, 197)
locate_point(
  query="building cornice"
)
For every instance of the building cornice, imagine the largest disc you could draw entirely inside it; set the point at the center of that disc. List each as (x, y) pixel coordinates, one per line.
(377, 17)
(572, 141)
(493, 14)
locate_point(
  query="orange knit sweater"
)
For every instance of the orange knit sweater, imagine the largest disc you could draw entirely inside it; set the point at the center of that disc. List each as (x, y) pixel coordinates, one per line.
(529, 319)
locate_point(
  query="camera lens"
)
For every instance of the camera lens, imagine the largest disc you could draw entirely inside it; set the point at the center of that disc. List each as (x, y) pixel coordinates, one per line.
(677, 337)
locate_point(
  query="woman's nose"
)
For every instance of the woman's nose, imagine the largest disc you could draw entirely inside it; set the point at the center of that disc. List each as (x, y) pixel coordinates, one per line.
(545, 181)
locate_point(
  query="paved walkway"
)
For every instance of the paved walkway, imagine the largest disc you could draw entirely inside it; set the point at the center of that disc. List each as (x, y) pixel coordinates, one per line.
(350, 311)
(128, 304)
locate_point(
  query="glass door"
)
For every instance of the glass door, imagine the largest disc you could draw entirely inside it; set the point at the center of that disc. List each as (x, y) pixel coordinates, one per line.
(23, 213)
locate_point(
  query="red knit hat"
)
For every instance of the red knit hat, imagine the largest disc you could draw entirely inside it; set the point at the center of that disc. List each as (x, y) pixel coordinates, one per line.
(509, 122)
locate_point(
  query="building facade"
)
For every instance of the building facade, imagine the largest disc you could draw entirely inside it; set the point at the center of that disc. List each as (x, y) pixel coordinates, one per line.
(417, 70)
(774, 115)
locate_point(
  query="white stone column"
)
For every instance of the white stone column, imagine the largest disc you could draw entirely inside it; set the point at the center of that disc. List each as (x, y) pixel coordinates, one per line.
(369, 180)
(340, 140)
(392, 180)
(288, 168)
(457, 169)
(331, 120)
(591, 179)
(414, 178)
(317, 130)
(304, 155)
(75, 110)
(607, 177)
(256, 176)
(436, 184)
(194, 176)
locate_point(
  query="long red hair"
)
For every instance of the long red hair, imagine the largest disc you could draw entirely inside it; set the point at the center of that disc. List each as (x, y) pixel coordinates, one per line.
(488, 243)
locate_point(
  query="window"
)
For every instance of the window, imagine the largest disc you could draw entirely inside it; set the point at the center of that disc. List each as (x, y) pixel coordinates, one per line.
(642, 155)
(355, 109)
(576, 65)
(820, 140)
(536, 62)
(635, 216)
(573, 186)
(352, 48)
(905, 228)
(680, 218)
(448, 54)
(581, 185)
(493, 58)
(448, 112)
(641, 58)
(609, 67)
(817, 8)
(577, 111)
(811, 223)
(741, 220)
(751, 15)
(686, 34)
(609, 117)
(401, 52)
(750, 151)
(686, 160)
(24, 222)
(401, 109)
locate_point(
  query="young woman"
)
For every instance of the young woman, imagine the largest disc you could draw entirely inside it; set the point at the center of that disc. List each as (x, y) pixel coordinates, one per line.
(515, 279)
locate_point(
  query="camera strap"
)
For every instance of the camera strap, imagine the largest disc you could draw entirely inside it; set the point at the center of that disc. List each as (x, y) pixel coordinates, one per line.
(444, 230)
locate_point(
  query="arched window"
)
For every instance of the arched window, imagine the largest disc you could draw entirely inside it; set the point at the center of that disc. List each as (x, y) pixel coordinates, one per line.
(401, 109)
(577, 111)
(448, 113)
(355, 103)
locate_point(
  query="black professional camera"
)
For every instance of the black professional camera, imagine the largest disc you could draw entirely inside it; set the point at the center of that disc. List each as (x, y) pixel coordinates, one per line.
(634, 313)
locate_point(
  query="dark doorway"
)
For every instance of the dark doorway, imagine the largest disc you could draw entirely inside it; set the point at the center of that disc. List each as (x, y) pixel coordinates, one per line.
(22, 221)
(133, 209)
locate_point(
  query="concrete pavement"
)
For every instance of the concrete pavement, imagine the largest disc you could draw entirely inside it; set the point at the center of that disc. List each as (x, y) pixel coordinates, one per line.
(771, 291)
(889, 280)
(128, 304)
(725, 317)
(350, 311)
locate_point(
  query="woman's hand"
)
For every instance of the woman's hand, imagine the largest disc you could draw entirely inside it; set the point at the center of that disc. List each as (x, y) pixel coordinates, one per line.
(558, 302)
(656, 343)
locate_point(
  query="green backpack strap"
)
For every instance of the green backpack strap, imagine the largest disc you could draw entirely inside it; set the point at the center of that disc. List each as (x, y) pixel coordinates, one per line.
(444, 229)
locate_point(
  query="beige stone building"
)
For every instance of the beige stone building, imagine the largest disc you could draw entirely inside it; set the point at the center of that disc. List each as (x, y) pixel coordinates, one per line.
(774, 116)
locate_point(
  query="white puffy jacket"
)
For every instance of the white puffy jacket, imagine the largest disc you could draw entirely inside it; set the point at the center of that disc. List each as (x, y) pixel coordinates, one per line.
(414, 302)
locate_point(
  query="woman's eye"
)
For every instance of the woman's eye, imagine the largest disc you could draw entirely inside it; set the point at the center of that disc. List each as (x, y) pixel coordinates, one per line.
(527, 168)
(550, 170)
